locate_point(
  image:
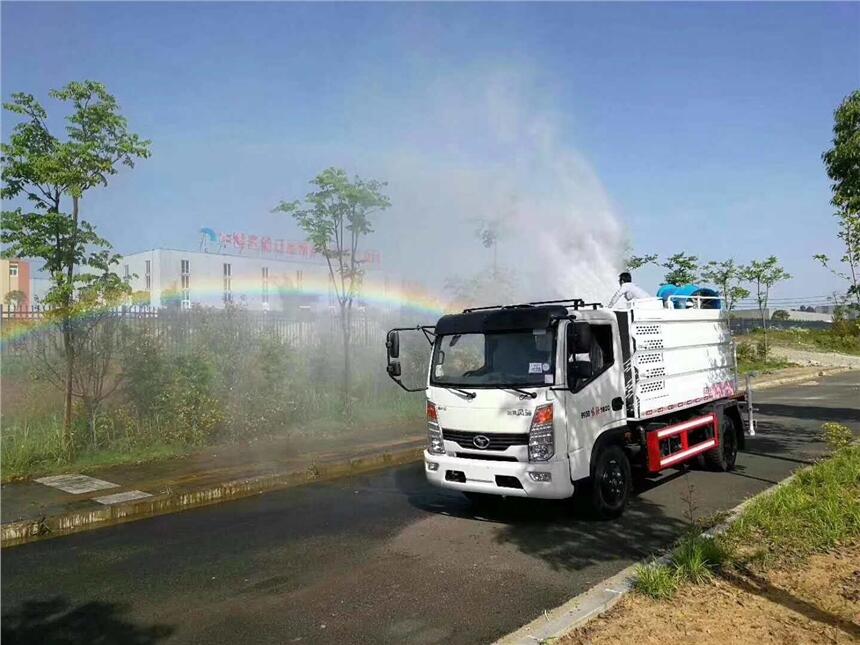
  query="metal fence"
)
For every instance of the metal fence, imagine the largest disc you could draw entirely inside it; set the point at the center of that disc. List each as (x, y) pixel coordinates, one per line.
(746, 325)
(20, 330)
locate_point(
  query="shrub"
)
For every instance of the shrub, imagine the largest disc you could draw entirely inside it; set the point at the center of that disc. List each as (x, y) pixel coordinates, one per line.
(746, 352)
(191, 412)
(837, 435)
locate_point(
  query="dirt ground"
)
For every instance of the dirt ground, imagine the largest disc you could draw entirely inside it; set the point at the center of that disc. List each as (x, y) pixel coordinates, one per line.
(816, 602)
(808, 357)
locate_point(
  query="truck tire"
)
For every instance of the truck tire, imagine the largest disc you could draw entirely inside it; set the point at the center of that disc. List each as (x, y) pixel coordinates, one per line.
(611, 482)
(722, 458)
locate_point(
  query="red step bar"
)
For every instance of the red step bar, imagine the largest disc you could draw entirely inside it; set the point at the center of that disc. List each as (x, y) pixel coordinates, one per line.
(657, 461)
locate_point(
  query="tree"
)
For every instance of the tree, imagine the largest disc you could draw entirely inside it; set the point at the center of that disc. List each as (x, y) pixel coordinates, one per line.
(764, 274)
(50, 171)
(843, 167)
(682, 269)
(14, 299)
(335, 217)
(781, 314)
(633, 262)
(489, 231)
(726, 276)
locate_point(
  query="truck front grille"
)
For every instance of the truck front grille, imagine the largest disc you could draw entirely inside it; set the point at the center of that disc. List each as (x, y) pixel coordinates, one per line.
(498, 440)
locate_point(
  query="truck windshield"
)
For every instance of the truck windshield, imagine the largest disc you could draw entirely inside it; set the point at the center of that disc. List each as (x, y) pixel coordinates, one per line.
(518, 358)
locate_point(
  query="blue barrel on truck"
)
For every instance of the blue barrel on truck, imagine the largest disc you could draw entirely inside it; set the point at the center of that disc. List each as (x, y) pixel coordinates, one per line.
(678, 301)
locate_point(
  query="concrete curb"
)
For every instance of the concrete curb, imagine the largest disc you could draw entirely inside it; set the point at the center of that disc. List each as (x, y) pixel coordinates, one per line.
(16, 533)
(580, 609)
(798, 378)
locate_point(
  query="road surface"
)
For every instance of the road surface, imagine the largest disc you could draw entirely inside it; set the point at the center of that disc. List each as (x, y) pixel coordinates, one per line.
(381, 558)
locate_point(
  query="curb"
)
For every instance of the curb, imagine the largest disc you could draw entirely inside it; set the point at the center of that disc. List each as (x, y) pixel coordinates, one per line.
(580, 609)
(23, 532)
(798, 378)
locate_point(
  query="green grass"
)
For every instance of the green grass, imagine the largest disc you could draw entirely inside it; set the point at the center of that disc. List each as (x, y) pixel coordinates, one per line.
(749, 366)
(696, 558)
(844, 338)
(35, 449)
(659, 581)
(817, 510)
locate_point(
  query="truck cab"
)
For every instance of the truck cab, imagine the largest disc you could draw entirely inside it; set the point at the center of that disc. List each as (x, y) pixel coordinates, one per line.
(537, 400)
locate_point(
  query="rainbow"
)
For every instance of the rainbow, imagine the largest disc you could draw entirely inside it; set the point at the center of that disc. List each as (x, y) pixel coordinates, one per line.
(409, 301)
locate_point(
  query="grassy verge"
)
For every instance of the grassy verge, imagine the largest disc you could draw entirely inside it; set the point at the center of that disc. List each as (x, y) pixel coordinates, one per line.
(33, 448)
(757, 366)
(843, 337)
(818, 510)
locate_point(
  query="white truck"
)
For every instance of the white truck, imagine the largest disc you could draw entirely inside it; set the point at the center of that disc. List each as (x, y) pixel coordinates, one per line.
(544, 398)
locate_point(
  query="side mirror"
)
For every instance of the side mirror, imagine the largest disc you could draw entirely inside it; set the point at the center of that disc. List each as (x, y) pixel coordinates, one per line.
(394, 369)
(392, 344)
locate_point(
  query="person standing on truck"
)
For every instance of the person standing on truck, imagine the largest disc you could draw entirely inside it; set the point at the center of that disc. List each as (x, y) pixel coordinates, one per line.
(627, 291)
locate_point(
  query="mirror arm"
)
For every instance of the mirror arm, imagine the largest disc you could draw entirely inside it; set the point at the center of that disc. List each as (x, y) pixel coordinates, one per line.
(429, 335)
(400, 383)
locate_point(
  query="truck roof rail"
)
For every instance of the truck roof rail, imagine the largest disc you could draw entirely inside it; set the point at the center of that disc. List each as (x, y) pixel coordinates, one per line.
(576, 303)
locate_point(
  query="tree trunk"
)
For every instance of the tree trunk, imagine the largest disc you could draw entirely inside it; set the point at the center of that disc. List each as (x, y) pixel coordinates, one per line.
(68, 341)
(764, 326)
(69, 350)
(346, 329)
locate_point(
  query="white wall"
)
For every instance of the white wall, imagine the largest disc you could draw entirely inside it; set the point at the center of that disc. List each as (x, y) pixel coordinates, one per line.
(206, 277)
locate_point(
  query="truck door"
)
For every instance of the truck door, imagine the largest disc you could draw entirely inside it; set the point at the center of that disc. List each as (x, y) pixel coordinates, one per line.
(595, 388)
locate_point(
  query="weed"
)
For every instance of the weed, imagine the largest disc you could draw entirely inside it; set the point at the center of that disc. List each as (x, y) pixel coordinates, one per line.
(837, 435)
(696, 558)
(656, 580)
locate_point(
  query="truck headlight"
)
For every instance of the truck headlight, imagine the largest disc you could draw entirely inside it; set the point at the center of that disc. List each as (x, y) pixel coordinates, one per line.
(541, 436)
(435, 443)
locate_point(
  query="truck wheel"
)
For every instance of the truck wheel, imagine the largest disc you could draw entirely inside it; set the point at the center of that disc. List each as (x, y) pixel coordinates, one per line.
(610, 482)
(722, 458)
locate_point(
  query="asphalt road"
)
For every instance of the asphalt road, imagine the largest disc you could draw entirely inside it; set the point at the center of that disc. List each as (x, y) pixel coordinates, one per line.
(382, 558)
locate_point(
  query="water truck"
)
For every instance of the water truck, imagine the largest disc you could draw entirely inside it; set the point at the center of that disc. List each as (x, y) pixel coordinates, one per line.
(546, 398)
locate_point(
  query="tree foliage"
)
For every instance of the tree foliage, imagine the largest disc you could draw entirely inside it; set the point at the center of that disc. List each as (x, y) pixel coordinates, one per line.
(726, 277)
(682, 269)
(335, 216)
(763, 274)
(634, 262)
(48, 171)
(843, 167)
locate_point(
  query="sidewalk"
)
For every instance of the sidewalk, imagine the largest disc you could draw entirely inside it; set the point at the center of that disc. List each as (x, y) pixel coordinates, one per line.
(63, 504)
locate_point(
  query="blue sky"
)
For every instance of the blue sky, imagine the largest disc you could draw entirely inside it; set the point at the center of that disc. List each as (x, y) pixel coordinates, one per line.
(695, 127)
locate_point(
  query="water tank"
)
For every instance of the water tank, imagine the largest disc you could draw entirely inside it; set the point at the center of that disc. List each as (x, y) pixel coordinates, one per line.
(678, 302)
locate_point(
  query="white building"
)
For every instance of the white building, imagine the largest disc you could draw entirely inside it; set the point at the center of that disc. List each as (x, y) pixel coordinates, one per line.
(257, 282)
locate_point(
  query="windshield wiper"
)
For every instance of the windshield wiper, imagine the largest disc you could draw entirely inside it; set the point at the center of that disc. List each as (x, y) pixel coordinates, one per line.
(523, 394)
(468, 395)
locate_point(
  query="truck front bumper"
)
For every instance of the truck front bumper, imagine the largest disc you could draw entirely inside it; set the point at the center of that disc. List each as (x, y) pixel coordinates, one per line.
(515, 479)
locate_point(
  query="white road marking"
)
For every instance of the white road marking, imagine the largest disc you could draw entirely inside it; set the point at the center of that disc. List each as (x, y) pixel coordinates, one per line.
(76, 484)
(116, 498)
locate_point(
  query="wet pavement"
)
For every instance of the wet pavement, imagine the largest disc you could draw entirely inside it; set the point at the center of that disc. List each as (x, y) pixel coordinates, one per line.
(382, 558)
